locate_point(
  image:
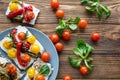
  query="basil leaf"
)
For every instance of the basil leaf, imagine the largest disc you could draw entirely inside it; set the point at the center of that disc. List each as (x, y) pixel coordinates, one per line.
(76, 20)
(61, 22)
(45, 70)
(84, 1)
(89, 60)
(73, 26)
(80, 42)
(74, 62)
(59, 30)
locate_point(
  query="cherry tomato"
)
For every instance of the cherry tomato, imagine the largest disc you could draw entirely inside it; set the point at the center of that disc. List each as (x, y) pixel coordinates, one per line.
(66, 35)
(54, 4)
(30, 15)
(11, 69)
(25, 58)
(82, 23)
(60, 13)
(59, 46)
(67, 77)
(40, 77)
(83, 70)
(21, 35)
(54, 38)
(95, 36)
(45, 56)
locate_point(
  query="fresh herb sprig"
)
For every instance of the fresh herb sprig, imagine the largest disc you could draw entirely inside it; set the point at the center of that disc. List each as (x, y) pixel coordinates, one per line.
(82, 50)
(67, 24)
(96, 6)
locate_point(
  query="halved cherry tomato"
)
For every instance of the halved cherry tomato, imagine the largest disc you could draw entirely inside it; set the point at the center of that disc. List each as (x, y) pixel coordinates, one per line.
(67, 77)
(11, 69)
(54, 4)
(45, 56)
(25, 58)
(60, 13)
(59, 46)
(21, 35)
(54, 38)
(95, 36)
(83, 70)
(40, 77)
(82, 24)
(30, 15)
(66, 35)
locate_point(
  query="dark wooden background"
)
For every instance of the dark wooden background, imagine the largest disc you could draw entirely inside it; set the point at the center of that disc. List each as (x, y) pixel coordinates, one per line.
(107, 51)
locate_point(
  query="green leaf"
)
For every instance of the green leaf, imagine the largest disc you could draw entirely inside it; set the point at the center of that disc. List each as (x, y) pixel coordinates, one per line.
(90, 67)
(80, 42)
(76, 20)
(59, 30)
(89, 60)
(90, 8)
(61, 22)
(4, 73)
(78, 52)
(74, 62)
(99, 13)
(84, 1)
(73, 26)
(45, 70)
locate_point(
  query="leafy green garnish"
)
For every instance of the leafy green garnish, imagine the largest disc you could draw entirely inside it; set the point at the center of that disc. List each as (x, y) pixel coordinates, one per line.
(45, 70)
(5, 75)
(82, 50)
(74, 62)
(67, 24)
(95, 6)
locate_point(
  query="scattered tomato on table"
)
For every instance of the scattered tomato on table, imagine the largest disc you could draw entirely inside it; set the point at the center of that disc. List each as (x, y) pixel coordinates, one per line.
(66, 35)
(59, 46)
(54, 38)
(54, 4)
(60, 13)
(95, 36)
(82, 24)
(83, 70)
(67, 77)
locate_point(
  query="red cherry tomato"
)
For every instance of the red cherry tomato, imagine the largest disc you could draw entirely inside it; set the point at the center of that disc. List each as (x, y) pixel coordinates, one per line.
(83, 70)
(67, 77)
(54, 4)
(66, 35)
(21, 35)
(82, 24)
(45, 56)
(95, 36)
(25, 58)
(30, 15)
(11, 69)
(59, 46)
(60, 13)
(54, 38)
(40, 77)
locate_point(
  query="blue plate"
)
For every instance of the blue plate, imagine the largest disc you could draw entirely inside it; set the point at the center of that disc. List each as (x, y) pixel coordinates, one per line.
(46, 43)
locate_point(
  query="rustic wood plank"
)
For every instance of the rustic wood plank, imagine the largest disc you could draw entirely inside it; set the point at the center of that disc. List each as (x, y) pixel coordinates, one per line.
(106, 67)
(47, 15)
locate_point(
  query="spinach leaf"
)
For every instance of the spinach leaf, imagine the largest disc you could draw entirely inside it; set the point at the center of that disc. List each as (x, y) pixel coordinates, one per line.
(45, 70)
(73, 26)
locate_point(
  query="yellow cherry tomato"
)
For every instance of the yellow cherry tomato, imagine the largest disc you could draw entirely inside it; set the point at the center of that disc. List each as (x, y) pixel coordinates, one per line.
(35, 48)
(12, 53)
(31, 72)
(13, 6)
(7, 44)
(31, 39)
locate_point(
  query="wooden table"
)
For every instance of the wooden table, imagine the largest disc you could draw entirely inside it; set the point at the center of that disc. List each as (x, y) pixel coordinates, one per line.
(107, 51)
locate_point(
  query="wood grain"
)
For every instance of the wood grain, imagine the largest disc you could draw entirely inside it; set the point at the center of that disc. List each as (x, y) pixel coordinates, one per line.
(107, 51)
